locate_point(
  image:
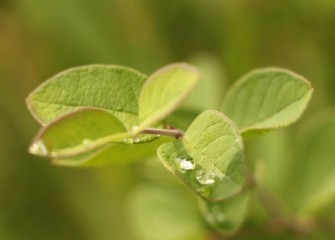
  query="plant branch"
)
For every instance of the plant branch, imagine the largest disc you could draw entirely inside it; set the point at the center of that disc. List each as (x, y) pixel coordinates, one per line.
(178, 134)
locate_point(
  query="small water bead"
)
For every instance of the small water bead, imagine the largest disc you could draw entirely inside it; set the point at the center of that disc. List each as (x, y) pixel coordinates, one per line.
(220, 217)
(205, 178)
(38, 148)
(128, 140)
(87, 142)
(185, 162)
(137, 140)
(218, 214)
(134, 128)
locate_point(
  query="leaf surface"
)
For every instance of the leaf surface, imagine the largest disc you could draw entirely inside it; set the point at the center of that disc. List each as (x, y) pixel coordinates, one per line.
(78, 132)
(113, 154)
(164, 91)
(110, 87)
(266, 99)
(209, 159)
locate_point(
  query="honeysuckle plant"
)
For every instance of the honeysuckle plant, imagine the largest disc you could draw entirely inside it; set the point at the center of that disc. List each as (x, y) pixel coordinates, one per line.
(108, 114)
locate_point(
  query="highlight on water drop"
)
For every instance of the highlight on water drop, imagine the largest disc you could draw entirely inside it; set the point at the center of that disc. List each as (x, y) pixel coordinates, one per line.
(184, 163)
(38, 148)
(205, 178)
(87, 142)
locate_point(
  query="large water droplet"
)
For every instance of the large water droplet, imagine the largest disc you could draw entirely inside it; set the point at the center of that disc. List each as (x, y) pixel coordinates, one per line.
(185, 162)
(128, 140)
(205, 178)
(38, 148)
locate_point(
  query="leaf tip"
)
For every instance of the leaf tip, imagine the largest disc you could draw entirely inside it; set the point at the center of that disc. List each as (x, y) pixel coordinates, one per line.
(38, 148)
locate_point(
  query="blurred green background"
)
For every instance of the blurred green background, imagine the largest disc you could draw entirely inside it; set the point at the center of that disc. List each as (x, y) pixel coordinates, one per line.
(143, 201)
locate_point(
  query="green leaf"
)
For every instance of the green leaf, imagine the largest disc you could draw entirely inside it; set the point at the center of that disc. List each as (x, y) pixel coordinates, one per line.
(113, 154)
(208, 93)
(78, 132)
(266, 99)
(164, 213)
(228, 215)
(209, 159)
(313, 176)
(164, 91)
(110, 87)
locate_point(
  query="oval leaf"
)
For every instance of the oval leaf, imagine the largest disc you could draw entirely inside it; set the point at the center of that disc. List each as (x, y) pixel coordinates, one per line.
(209, 159)
(164, 91)
(109, 87)
(228, 215)
(77, 132)
(266, 99)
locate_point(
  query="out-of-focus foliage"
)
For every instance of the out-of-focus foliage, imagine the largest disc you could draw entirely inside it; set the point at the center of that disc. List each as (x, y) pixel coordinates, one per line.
(40, 38)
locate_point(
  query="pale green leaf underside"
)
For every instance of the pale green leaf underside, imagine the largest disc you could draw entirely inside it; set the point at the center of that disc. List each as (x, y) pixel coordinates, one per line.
(208, 93)
(228, 215)
(164, 91)
(267, 99)
(155, 212)
(314, 175)
(77, 132)
(110, 87)
(212, 150)
(113, 154)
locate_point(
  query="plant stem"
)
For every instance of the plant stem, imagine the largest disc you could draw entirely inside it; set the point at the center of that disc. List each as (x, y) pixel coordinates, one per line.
(178, 134)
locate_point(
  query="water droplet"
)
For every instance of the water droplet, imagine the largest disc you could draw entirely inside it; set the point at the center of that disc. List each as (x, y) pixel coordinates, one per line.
(38, 148)
(158, 135)
(87, 142)
(205, 178)
(185, 162)
(128, 140)
(219, 216)
(137, 140)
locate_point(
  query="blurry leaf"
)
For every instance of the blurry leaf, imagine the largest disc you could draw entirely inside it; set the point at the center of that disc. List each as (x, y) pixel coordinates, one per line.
(77, 132)
(164, 91)
(228, 215)
(113, 154)
(162, 213)
(270, 157)
(266, 99)
(209, 159)
(108, 87)
(208, 93)
(182, 118)
(314, 172)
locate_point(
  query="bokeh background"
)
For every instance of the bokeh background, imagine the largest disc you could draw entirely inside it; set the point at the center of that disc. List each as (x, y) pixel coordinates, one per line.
(142, 201)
